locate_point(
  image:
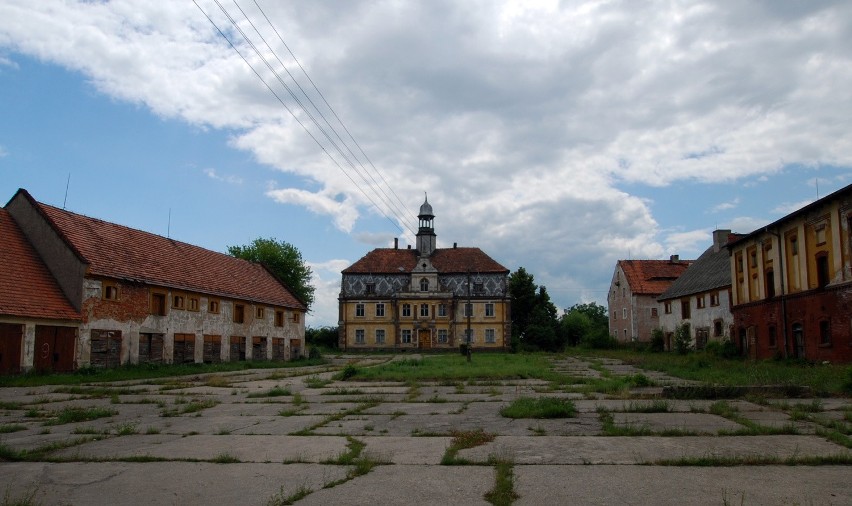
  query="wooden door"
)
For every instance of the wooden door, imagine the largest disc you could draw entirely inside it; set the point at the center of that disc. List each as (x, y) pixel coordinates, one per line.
(11, 336)
(425, 338)
(54, 348)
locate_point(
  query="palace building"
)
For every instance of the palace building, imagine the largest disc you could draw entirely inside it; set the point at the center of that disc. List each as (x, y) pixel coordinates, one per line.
(424, 298)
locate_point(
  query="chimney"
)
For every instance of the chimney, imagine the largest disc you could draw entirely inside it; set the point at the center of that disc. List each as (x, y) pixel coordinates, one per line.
(455, 245)
(674, 258)
(409, 246)
(396, 243)
(720, 239)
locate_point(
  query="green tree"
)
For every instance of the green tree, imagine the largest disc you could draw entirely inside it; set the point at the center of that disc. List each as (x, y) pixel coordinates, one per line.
(585, 323)
(325, 337)
(534, 322)
(574, 325)
(597, 314)
(282, 259)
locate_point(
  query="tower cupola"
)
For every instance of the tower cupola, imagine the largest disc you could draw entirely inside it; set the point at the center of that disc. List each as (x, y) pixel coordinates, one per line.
(426, 232)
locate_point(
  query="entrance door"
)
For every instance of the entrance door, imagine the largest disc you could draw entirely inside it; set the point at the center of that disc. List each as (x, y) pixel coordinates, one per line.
(11, 336)
(799, 340)
(54, 349)
(425, 338)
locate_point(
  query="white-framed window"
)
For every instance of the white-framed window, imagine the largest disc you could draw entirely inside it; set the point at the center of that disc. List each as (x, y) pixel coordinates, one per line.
(406, 336)
(380, 309)
(442, 310)
(424, 285)
(359, 336)
(489, 309)
(380, 336)
(406, 310)
(424, 310)
(442, 336)
(489, 336)
(359, 309)
(468, 310)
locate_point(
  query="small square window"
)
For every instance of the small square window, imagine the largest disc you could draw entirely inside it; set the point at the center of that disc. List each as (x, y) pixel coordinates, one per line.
(424, 310)
(258, 313)
(371, 288)
(667, 308)
(279, 318)
(178, 301)
(158, 304)
(193, 304)
(380, 310)
(110, 291)
(478, 288)
(213, 306)
(296, 317)
(406, 310)
(489, 309)
(653, 312)
(359, 309)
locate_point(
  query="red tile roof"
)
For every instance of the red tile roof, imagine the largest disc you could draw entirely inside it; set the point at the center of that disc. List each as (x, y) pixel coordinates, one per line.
(27, 288)
(652, 277)
(445, 260)
(116, 251)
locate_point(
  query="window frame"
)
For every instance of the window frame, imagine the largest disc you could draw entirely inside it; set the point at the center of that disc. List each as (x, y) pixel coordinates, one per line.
(489, 310)
(161, 309)
(178, 301)
(239, 315)
(360, 310)
(110, 288)
(406, 310)
(360, 336)
(380, 309)
(405, 336)
(490, 336)
(380, 336)
(217, 306)
(424, 310)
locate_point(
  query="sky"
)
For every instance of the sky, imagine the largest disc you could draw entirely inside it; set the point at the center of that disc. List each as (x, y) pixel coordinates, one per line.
(556, 136)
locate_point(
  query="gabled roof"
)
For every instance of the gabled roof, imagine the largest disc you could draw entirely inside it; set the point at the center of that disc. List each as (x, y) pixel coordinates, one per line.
(445, 260)
(712, 270)
(116, 251)
(27, 288)
(652, 277)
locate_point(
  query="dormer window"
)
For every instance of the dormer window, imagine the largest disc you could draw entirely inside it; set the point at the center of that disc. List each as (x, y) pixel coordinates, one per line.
(371, 288)
(478, 288)
(424, 285)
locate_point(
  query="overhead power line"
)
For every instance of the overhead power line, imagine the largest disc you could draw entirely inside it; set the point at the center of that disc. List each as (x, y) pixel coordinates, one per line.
(329, 133)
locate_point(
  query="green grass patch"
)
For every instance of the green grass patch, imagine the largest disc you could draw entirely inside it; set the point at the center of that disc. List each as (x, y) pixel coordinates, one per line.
(503, 493)
(455, 367)
(225, 458)
(283, 499)
(145, 371)
(463, 440)
(272, 392)
(11, 427)
(655, 406)
(315, 382)
(194, 406)
(75, 414)
(540, 407)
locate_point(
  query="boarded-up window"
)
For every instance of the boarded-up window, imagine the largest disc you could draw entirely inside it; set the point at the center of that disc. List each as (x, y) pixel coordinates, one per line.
(295, 348)
(279, 349)
(158, 304)
(184, 348)
(238, 348)
(150, 348)
(258, 348)
(212, 349)
(106, 348)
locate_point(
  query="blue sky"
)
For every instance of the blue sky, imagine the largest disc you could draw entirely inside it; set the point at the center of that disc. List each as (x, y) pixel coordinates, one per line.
(634, 133)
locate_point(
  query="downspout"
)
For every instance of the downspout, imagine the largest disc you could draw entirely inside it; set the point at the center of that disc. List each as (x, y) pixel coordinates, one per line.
(781, 277)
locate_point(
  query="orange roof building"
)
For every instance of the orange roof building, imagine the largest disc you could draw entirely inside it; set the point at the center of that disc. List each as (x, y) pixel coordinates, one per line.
(633, 292)
(425, 298)
(141, 297)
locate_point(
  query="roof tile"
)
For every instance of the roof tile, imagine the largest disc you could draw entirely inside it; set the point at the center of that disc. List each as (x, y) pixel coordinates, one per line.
(445, 260)
(652, 277)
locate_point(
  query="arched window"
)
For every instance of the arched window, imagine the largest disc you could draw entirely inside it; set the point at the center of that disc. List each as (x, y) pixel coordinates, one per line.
(424, 285)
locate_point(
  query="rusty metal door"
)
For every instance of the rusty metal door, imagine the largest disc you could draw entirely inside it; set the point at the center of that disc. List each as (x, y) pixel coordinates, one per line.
(54, 348)
(11, 336)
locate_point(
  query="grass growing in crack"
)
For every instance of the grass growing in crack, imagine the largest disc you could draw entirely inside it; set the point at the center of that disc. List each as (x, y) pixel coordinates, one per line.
(343, 391)
(354, 448)
(750, 428)
(755, 460)
(225, 458)
(217, 382)
(126, 429)
(272, 392)
(11, 427)
(195, 406)
(41, 453)
(609, 428)
(656, 406)
(503, 493)
(280, 499)
(75, 414)
(463, 440)
(315, 382)
(308, 431)
(541, 407)
(28, 498)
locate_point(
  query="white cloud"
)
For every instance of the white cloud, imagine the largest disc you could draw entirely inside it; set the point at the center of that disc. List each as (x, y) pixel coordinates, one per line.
(6, 62)
(688, 244)
(789, 207)
(725, 206)
(326, 282)
(520, 120)
(230, 179)
(746, 224)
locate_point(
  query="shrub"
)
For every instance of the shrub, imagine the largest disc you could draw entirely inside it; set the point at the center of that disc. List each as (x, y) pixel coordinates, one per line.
(722, 349)
(682, 339)
(657, 341)
(847, 385)
(599, 339)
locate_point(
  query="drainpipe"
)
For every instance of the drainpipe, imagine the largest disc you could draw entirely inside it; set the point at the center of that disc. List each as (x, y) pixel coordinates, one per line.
(781, 277)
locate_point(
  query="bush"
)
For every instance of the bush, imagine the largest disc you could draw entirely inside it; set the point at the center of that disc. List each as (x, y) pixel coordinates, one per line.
(722, 349)
(682, 339)
(314, 352)
(348, 372)
(847, 385)
(658, 342)
(599, 339)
